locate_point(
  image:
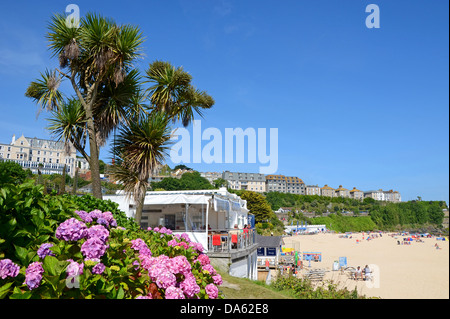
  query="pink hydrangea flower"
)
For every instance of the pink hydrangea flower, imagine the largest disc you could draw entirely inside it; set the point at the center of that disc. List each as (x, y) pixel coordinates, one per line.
(212, 291)
(217, 279)
(210, 269)
(173, 292)
(149, 296)
(84, 216)
(140, 245)
(98, 231)
(98, 268)
(74, 269)
(93, 248)
(71, 230)
(196, 246)
(8, 268)
(203, 259)
(189, 286)
(165, 279)
(179, 265)
(33, 275)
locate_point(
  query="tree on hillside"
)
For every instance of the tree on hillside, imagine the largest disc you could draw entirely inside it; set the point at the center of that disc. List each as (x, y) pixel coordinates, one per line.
(257, 205)
(220, 182)
(188, 181)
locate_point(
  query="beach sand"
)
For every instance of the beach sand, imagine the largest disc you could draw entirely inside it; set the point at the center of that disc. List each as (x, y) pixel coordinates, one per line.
(416, 271)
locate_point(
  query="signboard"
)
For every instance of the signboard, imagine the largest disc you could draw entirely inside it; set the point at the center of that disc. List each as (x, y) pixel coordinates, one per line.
(260, 251)
(271, 251)
(342, 262)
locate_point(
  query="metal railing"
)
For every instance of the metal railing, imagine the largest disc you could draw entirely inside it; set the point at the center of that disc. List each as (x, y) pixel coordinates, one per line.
(230, 240)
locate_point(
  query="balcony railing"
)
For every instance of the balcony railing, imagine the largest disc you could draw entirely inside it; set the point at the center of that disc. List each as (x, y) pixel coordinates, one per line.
(230, 240)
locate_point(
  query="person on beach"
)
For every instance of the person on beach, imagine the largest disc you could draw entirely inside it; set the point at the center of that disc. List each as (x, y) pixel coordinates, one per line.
(367, 273)
(358, 272)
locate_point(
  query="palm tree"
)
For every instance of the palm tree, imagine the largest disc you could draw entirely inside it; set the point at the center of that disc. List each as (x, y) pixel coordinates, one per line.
(97, 58)
(139, 148)
(173, 93)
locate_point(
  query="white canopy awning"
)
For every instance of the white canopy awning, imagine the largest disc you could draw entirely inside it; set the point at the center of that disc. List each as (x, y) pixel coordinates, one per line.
(175, 199)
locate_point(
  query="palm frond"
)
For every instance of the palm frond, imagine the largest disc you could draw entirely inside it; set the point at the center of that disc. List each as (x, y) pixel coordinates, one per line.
(144, 143)
(69, 124)
(61, 36)
(45, 91)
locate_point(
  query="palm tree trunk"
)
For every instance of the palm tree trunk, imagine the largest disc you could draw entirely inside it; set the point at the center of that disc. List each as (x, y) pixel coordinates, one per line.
(62, 189)
(75, 182)
(139, 208)
(94, 155)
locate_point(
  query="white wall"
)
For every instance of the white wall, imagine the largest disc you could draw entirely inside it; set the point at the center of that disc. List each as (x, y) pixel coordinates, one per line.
(245, 268)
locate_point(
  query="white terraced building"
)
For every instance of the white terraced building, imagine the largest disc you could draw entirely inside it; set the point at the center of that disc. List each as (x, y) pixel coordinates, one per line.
(35, 153)
(214, 218)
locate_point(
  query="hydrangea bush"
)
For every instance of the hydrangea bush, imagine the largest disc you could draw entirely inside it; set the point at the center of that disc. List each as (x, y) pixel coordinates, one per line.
(90, 257)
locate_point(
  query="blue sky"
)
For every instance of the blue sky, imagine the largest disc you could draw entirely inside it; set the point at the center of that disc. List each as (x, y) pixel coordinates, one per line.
(353, 106)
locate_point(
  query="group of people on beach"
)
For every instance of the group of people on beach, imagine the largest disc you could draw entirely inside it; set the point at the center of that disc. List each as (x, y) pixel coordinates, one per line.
(364, 274)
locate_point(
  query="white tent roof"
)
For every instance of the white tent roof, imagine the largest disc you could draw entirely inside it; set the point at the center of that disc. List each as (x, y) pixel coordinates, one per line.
(160, 199)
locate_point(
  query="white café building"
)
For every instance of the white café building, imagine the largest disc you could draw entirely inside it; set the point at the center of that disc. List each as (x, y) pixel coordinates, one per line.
(202, 214)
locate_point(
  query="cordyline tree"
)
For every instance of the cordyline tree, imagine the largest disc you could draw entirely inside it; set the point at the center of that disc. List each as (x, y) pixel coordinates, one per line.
(97, 59)
(142, 142)
(139, 148)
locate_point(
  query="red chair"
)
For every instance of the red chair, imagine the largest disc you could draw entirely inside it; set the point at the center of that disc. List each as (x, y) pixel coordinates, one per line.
(216, 240)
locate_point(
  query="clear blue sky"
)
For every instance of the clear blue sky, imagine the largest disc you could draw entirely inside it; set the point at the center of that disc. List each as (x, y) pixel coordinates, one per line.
(353, 106)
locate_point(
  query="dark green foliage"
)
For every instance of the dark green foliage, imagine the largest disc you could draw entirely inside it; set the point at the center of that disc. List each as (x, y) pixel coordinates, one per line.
(89, 203)
(188, 181)
(345, 223)
(407, 213)
(28, 218)
(258, 206)
(11, 173)
(383, 215)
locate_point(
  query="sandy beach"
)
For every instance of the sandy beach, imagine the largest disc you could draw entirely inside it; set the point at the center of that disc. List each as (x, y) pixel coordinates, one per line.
(415, 271)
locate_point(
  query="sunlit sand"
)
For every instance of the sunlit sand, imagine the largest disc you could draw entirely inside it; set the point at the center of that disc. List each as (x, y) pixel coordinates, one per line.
(418, 270)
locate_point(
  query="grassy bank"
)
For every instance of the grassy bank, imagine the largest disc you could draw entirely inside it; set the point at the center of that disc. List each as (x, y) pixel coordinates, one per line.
(242, 288)
(345, 223)
(284, 288)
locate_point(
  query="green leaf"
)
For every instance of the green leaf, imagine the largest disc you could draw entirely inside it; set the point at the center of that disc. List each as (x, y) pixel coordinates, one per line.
(53, 266)
(120, 293)
(19, 294)
(28, 201)
(21, 253)
(5, 289)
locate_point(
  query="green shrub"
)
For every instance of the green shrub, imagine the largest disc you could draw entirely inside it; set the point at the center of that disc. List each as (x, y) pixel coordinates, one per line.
(33, 238)
(11, 173)
(28, 218)
(89, 203)
(303, 289)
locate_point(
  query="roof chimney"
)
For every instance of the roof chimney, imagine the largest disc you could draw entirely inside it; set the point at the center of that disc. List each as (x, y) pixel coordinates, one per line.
(13, 139)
